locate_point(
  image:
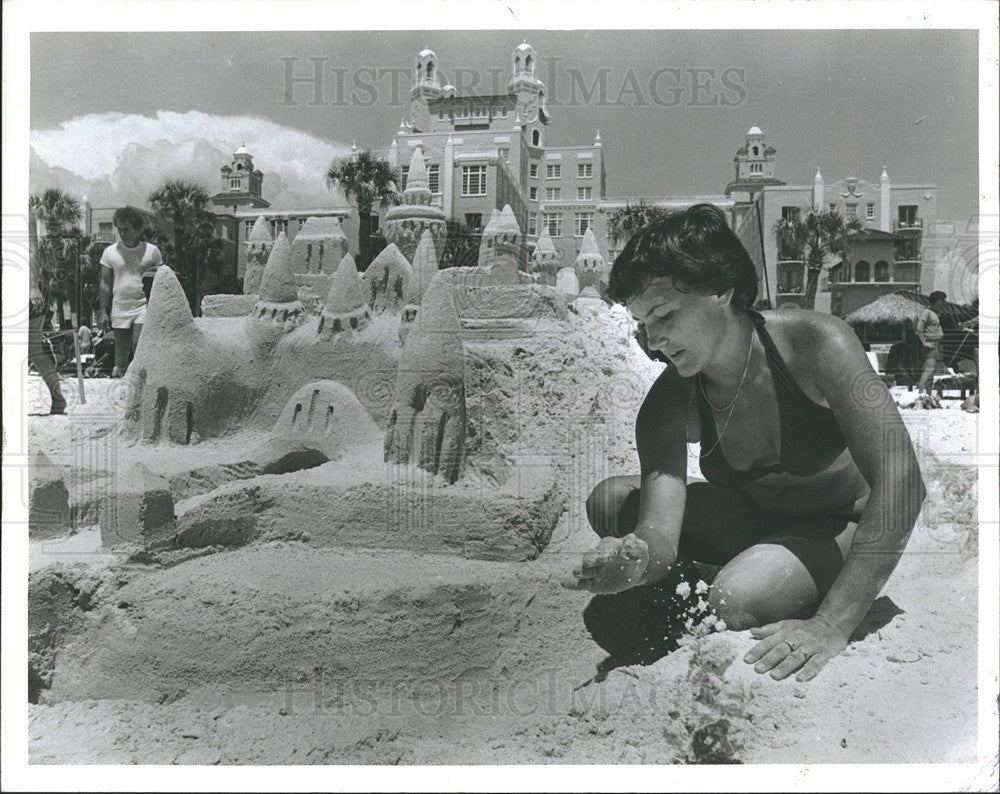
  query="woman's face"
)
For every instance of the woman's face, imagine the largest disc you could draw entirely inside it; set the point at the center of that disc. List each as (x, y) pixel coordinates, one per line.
(684, 326)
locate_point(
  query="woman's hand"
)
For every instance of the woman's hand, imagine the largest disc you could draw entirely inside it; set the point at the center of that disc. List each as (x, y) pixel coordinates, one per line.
(614, 565)
(795, 645)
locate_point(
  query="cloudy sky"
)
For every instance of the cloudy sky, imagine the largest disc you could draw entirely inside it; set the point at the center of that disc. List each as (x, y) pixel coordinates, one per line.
(114, 114)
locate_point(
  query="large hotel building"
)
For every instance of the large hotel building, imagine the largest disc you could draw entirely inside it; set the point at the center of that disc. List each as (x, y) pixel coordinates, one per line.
(483, 152)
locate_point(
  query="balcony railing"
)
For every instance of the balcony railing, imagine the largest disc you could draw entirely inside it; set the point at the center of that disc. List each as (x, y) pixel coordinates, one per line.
(904, 224)
(791, 289)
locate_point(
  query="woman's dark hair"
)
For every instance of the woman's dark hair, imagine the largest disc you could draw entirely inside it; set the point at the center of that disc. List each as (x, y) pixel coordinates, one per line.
(128, 215)
(696, 248)
(936, 296)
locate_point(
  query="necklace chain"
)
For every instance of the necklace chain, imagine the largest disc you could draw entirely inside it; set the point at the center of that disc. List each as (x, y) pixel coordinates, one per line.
(732, 403)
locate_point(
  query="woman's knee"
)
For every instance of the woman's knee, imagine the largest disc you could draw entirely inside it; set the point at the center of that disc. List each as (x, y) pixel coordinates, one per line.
(605, 506)
(762, 585)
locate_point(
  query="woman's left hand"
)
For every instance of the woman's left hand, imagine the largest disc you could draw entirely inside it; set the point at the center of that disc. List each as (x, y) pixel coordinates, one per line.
(795, 645)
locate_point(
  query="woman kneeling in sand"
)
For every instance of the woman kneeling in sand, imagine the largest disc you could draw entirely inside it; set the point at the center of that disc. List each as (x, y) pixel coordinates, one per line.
(812, 484)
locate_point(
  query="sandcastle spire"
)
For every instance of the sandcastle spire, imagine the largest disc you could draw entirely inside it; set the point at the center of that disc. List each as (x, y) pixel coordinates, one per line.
(545, 244)
(425, 267)
(588, 246)
(345, 305)
(168, 310)
(277, 285)
(507, 222)
(345, 293)
(261, 231)
(417, 176)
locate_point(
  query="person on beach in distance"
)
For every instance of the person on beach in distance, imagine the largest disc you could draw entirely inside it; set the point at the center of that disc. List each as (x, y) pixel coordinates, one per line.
(812, 484)
(931, 335)
(125, 266)
(38, 356)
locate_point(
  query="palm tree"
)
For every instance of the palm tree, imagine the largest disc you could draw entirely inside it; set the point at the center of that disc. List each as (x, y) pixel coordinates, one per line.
(814, 235)
(368, 181)
(60, 248)
(625, 222)
(192, 245)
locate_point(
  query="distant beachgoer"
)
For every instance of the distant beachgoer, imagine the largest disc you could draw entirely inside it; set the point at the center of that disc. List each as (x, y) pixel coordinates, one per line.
(85, 338)
(124, 267)
(812, 484)
(38, 355)
(931, 335)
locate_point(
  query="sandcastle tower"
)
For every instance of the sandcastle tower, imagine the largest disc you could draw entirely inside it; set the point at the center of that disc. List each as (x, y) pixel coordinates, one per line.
(591, 269)
(545, 257)
(278, 306)
(386, 279)
(425, 268)
(488, 234)
(405, 224)
(430, 387)
(345, 306)
(319, 246)
(259, 243)
(503, 245)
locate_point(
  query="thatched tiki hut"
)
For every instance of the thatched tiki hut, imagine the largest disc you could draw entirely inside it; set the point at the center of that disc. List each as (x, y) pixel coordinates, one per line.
(892, 319)
(885, 320)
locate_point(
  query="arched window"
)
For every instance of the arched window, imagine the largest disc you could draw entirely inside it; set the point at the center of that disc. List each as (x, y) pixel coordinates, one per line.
(862, 271)
(309, 254)
(755, 151)
(430, 69)
(536, 136)
(517, 63)
(881, 270)
(527, 63)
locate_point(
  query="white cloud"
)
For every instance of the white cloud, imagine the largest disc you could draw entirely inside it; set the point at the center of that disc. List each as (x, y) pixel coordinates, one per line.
(119, 158)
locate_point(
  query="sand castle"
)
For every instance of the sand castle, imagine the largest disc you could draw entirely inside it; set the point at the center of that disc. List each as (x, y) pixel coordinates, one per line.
(386, 280)
(345, 306)
(545, 258)
(406, 223)
(591, 269)
(319, 246)
(278, 309)
(259, 244)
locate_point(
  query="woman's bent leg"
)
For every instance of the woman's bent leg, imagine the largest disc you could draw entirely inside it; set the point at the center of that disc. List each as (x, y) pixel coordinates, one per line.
(613, 506)
(783, 576)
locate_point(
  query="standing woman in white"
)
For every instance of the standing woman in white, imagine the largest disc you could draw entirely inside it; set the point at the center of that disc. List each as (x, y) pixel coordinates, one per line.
(124, 267)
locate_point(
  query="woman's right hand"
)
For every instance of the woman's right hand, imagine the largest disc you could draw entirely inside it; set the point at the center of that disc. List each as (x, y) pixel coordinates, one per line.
(616, 564)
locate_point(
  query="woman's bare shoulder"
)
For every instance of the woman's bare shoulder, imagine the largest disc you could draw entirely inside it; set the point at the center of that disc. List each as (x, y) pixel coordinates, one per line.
(805, 333)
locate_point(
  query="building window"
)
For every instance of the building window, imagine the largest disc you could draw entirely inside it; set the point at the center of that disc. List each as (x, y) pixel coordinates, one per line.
(405, 172)
(504, 154)
(584, 193)
(553, 221)
(908, 215)
(474, 220)
(434, 177)
(234, 184)
(862, 271)
(553, 171)
(105, 228)
(536, 137)
(833, 207)
(581, 222)
(302, 222)
(584, 170)
(551, 194)
(533, 193)
(532, 224)
(790, 213)
(870, 211)
(881, 270)
(247, 228)
(474, 180)
(533, 169)
(850, 211)
(278, 226)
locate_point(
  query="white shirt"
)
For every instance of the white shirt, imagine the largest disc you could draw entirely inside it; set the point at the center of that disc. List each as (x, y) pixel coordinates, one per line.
(130, 266)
